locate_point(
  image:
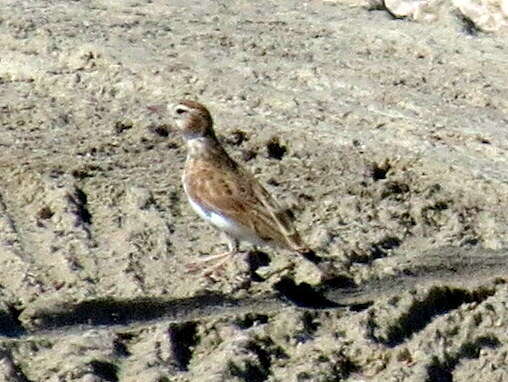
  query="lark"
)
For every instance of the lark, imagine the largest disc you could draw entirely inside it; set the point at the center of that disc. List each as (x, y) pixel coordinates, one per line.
(226, 195)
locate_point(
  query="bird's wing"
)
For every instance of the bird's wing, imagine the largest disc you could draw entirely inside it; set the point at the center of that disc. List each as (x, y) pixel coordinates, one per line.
(237, 195)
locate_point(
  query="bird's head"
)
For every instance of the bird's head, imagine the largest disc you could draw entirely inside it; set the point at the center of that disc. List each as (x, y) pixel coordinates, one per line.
(193, 120)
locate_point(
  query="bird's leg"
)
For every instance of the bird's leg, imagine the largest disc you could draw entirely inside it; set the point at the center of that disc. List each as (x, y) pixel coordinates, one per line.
(232, 250)
(221, 257)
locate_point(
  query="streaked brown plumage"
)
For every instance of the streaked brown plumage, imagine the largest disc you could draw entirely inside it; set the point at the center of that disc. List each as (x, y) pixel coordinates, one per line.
(224, 193)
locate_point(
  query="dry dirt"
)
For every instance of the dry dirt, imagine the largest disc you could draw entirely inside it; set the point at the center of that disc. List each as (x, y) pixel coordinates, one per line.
(388, 138)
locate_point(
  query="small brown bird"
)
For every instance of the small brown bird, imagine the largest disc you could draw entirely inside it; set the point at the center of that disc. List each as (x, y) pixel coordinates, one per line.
(226, 195)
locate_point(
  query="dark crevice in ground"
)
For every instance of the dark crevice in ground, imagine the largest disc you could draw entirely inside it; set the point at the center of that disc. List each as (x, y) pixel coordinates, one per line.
(10, 326)
(442, 370)
(251, 319)
(120, 347)
(274, 149)
(256, 367)
(182, 337)
(303, 295)
(80, 201)
(439, 301)
(105, 370)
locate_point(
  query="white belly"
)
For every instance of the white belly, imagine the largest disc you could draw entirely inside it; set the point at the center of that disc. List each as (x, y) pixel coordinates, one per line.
(226, 225)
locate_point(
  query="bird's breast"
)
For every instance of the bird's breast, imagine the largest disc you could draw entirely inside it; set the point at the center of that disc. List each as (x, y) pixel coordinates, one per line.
(225, 224)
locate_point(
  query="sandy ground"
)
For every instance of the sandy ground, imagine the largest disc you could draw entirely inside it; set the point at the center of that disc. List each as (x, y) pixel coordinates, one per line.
(388, 138)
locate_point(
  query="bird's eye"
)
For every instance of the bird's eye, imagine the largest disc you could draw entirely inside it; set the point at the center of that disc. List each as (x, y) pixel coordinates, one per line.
(181, 110)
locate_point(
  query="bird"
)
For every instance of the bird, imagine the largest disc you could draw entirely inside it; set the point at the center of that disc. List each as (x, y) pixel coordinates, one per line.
(226, 195)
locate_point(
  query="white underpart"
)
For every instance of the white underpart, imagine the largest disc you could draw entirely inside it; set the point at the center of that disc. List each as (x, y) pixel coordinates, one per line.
(226, 225)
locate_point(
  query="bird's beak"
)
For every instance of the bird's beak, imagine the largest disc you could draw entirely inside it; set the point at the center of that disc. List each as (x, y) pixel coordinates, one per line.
(159, 109)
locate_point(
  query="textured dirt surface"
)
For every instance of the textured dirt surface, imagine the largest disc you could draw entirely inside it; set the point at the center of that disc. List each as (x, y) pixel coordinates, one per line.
(388, 139)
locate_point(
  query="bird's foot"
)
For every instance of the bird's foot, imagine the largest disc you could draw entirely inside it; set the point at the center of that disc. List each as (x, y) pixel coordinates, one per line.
(213, 266)
(209, 265)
